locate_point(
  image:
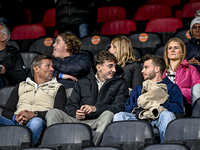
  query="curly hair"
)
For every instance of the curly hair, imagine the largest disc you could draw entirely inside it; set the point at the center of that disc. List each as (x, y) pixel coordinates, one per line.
(73, 43)
(124, 50)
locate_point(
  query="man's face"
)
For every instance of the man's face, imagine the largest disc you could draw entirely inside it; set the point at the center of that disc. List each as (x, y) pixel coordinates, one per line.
(148, 70)
(44, 72)
(106, 70)
(196, 31)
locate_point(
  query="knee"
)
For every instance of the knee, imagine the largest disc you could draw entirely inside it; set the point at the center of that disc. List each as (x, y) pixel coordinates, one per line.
(167, 116)
(52, 113)
(37, 122)
(117, 116)
(108, 114)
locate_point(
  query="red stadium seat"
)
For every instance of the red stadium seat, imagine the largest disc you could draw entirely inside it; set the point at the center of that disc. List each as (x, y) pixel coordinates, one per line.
(49, 18)
(148, 12)
(170, 3)
(118, 27)
(110, 13)
(27, 31)
(164, 25)
(189, 9)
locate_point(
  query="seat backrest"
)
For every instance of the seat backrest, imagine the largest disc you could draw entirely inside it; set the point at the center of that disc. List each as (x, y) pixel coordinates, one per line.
(170, 24)
(128, 134)
(146, 42)
(95, 43)
(43, 45)
(13, 43)
(27, 31)
(27, 16)
(110, 13)
(152, 11)
(189, 9)
(28, 57)
(102, 148)
(195, 108)
(184, 35)
(167, 147)
(184, 130)
(159, 51)
(4, 94)
(37, 148)
(118, 27)
(13, 136)
(66, 134)
(170, 3)
(138, 53)
(49, 15)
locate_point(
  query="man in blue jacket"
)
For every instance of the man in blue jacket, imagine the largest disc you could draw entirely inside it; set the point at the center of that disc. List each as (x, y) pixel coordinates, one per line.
(153, 69)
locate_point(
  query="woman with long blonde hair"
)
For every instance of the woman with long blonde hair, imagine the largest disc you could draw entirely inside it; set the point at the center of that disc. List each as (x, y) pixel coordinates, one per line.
(121, 47)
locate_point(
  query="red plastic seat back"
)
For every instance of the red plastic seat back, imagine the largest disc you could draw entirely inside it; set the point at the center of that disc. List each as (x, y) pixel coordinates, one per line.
(27, 31)
(118, 27)
(169, 3)
(110, 13)
(164, 25)
(148, 12)
(189, 9)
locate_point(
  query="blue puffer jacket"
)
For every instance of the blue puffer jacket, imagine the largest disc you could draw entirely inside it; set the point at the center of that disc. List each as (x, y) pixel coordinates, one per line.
(175, 103)
(77, 65)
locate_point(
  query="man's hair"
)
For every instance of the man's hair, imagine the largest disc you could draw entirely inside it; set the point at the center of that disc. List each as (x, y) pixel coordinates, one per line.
(103, 56)
(5, 31)
(73, 43)
(156, 60)
(37, 61)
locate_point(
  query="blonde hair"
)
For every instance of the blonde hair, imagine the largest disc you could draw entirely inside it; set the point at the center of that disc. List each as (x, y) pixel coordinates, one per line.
(183, 53)
(124, 50)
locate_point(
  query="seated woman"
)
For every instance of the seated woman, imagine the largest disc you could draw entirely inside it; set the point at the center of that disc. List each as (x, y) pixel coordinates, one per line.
(121, 47)
(179, 71)
(68, 62)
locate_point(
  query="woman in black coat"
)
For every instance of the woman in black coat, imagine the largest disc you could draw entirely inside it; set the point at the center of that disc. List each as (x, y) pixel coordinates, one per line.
(121, 47)
(68, 62)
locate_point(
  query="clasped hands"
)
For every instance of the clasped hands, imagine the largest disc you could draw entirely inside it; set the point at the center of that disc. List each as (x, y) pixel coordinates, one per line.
(84, 110)
(24, 116)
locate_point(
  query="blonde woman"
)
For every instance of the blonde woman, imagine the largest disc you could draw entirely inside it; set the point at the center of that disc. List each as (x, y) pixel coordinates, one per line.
(178, 70)
(121, 47)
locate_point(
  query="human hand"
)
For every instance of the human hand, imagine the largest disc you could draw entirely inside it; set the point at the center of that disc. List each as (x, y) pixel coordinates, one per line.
(193, 61)
(3, 70)
(80, 114)
(66, 76)
(24, 116)
(88, 109)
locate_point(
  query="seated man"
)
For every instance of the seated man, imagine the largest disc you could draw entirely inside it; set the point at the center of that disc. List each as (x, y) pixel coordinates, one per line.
(153, 69)
(12, 67)
(95, 98)
(30, 99)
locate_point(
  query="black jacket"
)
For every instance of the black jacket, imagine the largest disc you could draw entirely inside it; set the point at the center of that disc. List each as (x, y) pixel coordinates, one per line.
(193, 49)
(12, 60)
(75, 12)
(132, 74)
(112, 96)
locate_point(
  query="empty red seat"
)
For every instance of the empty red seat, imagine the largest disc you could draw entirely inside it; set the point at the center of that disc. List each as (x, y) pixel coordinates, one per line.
(170, 24)
(152, 11)
(170, 3)
(110, 13)
(118, 27)
(49, 18)
(189, 9)
(27, 31)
